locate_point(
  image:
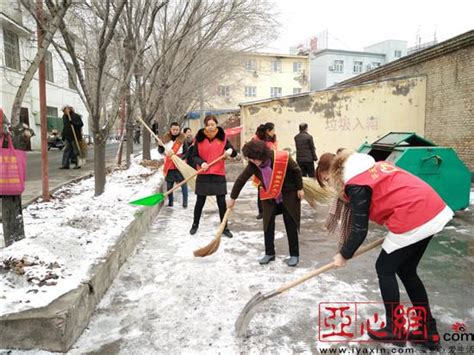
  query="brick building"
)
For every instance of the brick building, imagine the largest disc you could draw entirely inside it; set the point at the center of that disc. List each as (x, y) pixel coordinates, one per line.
(449, 71)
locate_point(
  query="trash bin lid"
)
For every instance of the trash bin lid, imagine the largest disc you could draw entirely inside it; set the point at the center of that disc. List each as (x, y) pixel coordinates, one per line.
(395, 139)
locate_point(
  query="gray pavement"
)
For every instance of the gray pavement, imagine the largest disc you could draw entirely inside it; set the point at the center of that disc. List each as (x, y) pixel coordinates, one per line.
(165, 301)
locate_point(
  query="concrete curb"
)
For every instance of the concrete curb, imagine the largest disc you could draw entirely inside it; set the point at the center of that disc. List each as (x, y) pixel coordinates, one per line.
(57, 326)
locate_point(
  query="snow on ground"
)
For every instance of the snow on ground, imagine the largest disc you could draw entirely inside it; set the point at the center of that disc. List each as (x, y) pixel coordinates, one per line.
(67, 236)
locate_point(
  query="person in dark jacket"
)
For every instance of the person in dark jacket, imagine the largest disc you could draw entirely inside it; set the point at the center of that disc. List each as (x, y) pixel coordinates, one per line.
(210, 143)
(305, 151)
(189, 138)
(281, 193)
(72, 135)
(175, 143)
(412, 212)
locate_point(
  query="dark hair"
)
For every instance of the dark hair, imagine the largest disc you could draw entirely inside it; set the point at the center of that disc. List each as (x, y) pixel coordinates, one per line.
(303, 127)
(174, 124)
(261, 132)
(185, 129)
(256, 149)
(324, 164)
(210, 118)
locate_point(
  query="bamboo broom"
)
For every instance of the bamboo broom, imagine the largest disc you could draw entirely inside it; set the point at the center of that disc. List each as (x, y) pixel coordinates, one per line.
(313, 192)
(212, 247)
(183, 167)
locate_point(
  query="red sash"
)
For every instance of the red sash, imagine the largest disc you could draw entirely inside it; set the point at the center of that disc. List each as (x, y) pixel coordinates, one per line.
(168, 162)
(280, 163)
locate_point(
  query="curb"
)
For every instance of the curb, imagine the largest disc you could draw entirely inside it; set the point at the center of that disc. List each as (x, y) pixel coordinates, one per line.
(57, 326)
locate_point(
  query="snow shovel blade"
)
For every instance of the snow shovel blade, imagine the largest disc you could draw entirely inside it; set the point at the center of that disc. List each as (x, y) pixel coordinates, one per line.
(149, 200)
(249, 310)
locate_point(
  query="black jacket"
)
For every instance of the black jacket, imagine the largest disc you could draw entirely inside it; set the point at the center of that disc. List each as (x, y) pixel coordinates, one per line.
(292, 183)
(76, 122)
(305, 150)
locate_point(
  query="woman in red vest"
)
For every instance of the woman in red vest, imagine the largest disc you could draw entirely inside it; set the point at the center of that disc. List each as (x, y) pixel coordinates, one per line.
(281, 193)
(412, 212)
(210, 143)
(265, 133)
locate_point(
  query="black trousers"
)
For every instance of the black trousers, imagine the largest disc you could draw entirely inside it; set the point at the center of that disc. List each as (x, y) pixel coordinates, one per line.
(307, 169)
(259, 202)
(201, 200)
(402, 262)
(291, 232)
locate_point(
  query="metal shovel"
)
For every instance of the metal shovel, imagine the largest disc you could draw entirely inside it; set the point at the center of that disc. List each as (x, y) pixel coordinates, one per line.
(250, 308)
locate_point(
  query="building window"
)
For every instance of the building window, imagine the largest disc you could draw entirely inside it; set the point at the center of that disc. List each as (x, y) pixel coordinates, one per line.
(275, 91)
(338, 66)
(358, 67)
(12, 49)
(397, 54)
(48, 64)
(296, 91)
(51, 111)
(375, 64)
(276, 66)
(250, 91)
(251, 64)
(223, 91)
(72, 78)
(296, 67)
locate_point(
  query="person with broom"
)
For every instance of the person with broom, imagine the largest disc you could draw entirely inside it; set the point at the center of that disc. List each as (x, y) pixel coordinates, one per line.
(71, 121)
(266, 133)
(412, 212)
(281, 193)
(210, 143)
(174, 143)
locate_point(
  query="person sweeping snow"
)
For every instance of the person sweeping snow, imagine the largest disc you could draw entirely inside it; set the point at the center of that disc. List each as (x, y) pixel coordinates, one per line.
(281, 193)
(412, 212)
(210, 143)
(174, 143)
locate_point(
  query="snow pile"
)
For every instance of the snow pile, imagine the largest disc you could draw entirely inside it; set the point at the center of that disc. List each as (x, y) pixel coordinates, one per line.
(68, 235)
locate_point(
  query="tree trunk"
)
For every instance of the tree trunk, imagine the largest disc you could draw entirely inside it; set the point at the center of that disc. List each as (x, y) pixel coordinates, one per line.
(146, 145)
(12, 219)
(99, 167)
(130, 131)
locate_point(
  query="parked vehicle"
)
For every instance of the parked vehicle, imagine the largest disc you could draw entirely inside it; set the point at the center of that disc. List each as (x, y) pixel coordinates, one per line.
(54, 141)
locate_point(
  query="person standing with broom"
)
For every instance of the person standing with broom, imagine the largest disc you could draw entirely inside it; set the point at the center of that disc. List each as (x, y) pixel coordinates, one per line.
(174, 143)
(281, 193)
(412, 212)
(210, 143)
(71, 134)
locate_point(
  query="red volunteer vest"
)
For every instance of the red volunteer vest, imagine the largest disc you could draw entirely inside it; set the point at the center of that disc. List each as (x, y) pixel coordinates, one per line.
(210, 151)
(400, 200)
(280, 163)
(169, 165)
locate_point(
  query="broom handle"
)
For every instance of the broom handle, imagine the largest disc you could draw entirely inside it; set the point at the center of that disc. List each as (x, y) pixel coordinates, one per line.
(192, 176)
(327, 267)
(160, 142)
(74, 133)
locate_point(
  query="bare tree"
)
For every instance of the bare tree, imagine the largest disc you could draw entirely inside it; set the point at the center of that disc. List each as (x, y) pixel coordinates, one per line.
(103, 77)
(194, 44)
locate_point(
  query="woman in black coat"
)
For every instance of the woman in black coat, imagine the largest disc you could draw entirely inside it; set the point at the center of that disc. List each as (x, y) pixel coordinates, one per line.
(210, 143)
(287, 201)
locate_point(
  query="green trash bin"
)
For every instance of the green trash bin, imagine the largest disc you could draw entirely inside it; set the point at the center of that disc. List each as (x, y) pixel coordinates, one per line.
(438, 166)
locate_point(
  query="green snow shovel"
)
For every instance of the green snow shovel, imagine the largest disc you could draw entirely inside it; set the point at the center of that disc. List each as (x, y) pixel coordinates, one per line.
(154, 199)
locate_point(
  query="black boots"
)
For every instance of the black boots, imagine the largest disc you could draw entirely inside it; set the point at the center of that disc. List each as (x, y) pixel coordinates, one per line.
(430, 340)
(227, 233)
(194, 229)
(387, 335)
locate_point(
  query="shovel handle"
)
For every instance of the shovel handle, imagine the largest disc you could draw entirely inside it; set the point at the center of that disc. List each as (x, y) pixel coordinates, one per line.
(175, 187)
(326, 267)
(160, 142)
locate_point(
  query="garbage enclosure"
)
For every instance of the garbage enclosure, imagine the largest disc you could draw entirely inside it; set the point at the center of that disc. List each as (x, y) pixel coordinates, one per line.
(438, 166)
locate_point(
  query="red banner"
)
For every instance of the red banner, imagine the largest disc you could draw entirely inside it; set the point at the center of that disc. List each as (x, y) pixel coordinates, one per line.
(229, 132)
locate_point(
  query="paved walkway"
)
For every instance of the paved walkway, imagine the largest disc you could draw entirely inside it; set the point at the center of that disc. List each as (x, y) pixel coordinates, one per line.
(166, 301)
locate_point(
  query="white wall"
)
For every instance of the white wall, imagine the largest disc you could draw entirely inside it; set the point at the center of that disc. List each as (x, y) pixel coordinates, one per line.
(322, 77)
(388, 48)
(58, 93)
